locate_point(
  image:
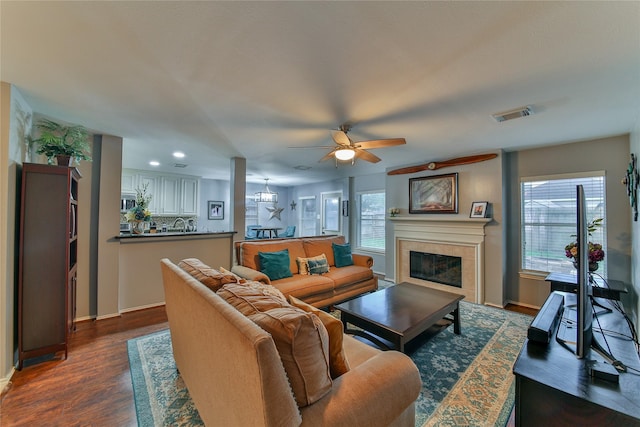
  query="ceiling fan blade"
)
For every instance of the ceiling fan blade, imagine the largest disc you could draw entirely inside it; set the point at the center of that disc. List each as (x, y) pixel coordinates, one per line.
(447, 163)
(381, 143)
(340, 137)
(327, 156)
(367, 156)
(316, 146)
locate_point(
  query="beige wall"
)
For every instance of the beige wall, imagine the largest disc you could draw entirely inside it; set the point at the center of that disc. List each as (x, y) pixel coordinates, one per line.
(139, 270)
(608, 154)
(15, 119)
(476, 182)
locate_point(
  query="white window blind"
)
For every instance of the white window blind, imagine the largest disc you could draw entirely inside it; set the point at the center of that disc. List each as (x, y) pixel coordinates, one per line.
(549, 219)
(371, 220)
(307, 218)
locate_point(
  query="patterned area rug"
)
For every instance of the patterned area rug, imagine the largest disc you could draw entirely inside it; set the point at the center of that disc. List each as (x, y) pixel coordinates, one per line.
(467, 378)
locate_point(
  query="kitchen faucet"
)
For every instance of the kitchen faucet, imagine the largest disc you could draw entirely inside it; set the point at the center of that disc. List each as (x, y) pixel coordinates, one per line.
(184, 224)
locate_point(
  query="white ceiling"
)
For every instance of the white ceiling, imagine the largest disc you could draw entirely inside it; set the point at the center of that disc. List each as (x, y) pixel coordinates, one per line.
(248, 79)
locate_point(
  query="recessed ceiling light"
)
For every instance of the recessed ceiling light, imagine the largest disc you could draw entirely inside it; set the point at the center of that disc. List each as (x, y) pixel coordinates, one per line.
(178, 154)
(154, 163)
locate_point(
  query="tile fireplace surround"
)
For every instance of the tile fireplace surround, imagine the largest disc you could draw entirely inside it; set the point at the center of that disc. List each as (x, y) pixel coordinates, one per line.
(453, 236)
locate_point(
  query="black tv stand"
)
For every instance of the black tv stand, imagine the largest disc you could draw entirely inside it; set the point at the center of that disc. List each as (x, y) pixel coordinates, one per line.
(555, 388)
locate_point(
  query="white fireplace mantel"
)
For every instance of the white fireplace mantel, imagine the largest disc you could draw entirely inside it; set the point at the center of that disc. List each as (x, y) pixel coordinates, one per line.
(449, 228)
(451, 234)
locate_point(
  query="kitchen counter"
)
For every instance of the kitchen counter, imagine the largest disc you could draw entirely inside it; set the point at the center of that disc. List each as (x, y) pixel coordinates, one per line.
(127, 236)
(140, 279)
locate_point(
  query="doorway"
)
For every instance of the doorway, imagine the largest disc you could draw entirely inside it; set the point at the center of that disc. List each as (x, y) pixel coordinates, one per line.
(330, 219)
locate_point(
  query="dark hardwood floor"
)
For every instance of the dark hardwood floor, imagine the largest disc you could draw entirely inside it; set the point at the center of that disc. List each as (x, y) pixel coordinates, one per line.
(93, 387)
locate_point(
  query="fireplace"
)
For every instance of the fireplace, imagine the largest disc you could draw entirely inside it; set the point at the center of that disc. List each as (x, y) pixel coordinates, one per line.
(459, 238)
(437, 268)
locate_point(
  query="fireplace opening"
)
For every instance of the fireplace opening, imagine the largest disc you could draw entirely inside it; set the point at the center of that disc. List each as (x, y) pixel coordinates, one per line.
(438, 268)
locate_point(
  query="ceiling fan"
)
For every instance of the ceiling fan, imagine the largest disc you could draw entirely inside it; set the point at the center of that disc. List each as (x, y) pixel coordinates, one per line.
(348, 150)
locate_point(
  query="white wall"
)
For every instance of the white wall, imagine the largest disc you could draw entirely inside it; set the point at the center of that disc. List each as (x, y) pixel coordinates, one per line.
(634, 299)
(315, 190)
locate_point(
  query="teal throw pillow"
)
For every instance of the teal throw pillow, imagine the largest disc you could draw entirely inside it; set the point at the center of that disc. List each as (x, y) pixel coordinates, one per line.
(318, 266)
(342, 255)
(275, 264)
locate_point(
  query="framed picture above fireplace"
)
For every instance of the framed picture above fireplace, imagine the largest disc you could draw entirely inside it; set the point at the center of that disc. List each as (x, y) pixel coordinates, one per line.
(434, 194)
(478, 209)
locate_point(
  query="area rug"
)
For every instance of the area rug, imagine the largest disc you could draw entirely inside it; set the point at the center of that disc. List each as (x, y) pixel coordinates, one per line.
(466, 379)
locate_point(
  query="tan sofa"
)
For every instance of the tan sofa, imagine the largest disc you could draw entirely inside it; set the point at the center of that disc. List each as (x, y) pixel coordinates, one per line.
(339, 284)
(236, 377)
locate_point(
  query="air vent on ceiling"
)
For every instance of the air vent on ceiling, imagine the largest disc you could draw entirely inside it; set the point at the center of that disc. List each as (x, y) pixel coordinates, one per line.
(513, 114)
(179, 165)
(302, 167)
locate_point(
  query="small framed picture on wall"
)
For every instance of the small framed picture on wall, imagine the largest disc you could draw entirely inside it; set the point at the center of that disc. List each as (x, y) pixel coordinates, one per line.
(479, 209)
(215, 209)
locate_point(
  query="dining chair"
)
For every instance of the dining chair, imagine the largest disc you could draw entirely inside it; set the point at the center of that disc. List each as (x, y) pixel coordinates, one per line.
(289, 232)
(251, 232)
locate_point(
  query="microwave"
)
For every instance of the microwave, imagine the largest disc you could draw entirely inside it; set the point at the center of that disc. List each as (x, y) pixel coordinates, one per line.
(127, 202)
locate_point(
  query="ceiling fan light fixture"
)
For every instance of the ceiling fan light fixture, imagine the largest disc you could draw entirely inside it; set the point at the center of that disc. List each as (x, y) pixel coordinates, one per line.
(345, 154)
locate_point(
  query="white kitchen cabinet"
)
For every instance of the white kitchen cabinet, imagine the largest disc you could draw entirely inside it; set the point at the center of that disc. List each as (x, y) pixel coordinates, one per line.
(170, 195)
(153, 189)
(128, 182)
(189, 197)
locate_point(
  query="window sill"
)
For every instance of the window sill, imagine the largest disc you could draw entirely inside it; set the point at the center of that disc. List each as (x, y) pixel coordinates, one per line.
(533, 275)
(369, 251)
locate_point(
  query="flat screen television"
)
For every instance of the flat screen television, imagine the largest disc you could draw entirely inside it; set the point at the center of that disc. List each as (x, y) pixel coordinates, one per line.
(584, 306)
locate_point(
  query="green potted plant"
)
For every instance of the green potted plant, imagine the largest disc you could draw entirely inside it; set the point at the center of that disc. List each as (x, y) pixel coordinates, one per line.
(64, 143)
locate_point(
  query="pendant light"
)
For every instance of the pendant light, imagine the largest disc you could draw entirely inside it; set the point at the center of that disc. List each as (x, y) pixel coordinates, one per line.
(267, 195)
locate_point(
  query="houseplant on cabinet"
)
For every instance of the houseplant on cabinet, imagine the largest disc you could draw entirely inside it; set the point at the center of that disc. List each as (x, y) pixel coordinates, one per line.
(64, 143)
(139, 214)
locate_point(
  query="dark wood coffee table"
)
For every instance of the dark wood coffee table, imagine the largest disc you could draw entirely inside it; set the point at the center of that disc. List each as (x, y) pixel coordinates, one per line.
(399, 313)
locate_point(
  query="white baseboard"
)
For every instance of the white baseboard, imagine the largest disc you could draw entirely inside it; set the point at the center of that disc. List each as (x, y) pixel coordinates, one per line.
(6, 381)
(108, 316)
(535, 307)
(490, 304)
(126, 310)
(142, 307)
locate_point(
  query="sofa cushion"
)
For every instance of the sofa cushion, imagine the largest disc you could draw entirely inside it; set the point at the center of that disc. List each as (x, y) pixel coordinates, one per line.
(338, 363)
(303, 263)
(318, 265)
(225, 271)
(302, 286)
(248, 253)
(315, 247)
(342, 254)
(210, 277)
(347, 276)
(252, 297)
(303, 346)
(313, 265)
(275, 264)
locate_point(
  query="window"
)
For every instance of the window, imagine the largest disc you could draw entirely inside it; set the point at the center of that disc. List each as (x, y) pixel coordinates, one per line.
(251, 211)
(549, 219)
(371, 220)
(307, 224)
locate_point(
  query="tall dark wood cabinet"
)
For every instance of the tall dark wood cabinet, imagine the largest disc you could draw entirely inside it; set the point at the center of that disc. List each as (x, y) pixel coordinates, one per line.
(48, 255)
